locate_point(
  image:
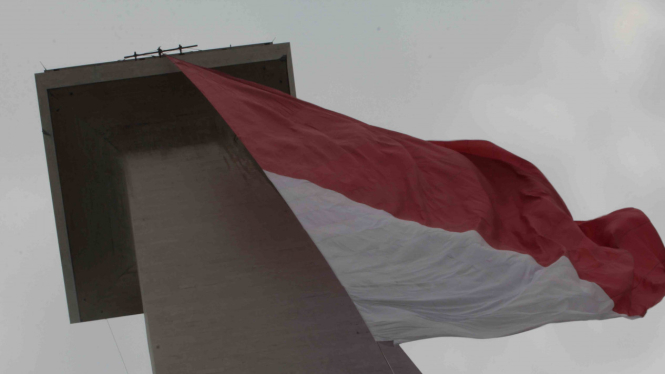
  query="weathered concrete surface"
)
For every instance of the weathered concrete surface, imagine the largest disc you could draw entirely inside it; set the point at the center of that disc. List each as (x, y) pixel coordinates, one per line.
(93, 127)
(63, 98)
(98, 222)
(231, 282)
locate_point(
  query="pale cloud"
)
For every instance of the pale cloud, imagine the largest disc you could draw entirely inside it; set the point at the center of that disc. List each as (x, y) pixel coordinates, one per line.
(576, 87)
(630, 31)
(18, 206)
(631, 22)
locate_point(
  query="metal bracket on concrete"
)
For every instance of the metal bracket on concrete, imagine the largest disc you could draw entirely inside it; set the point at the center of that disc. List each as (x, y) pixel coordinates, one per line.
(161, 51)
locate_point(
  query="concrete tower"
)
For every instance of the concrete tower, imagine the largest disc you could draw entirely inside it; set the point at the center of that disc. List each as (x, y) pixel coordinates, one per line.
(161, 210)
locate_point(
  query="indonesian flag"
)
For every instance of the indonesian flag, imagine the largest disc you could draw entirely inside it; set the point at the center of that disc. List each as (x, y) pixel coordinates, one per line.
(433, 238)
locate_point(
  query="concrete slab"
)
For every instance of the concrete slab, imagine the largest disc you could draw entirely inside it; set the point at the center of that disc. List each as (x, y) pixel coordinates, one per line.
(93, 109)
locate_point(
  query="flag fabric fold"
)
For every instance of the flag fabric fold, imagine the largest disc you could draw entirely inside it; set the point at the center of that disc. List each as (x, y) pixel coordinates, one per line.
(434, 238)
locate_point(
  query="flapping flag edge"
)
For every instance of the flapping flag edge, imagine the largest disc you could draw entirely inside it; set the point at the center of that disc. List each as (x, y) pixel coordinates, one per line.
(630, 277)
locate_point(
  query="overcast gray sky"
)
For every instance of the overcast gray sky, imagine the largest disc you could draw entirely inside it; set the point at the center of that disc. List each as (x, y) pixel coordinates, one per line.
(576, 87)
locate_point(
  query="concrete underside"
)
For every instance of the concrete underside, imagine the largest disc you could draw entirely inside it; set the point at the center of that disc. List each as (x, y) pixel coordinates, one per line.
(95, 128)
(167, 214)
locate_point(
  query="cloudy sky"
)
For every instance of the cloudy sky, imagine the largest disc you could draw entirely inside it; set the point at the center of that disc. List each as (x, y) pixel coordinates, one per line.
(576, 87)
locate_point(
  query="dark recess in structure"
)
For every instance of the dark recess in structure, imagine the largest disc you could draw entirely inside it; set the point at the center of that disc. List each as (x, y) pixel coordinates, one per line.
(95, 127)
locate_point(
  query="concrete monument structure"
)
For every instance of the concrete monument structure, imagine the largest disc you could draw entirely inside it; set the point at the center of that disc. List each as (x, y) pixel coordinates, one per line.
(161, 210)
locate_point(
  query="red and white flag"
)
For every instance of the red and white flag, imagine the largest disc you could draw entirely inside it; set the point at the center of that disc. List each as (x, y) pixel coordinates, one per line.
(434, 239)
